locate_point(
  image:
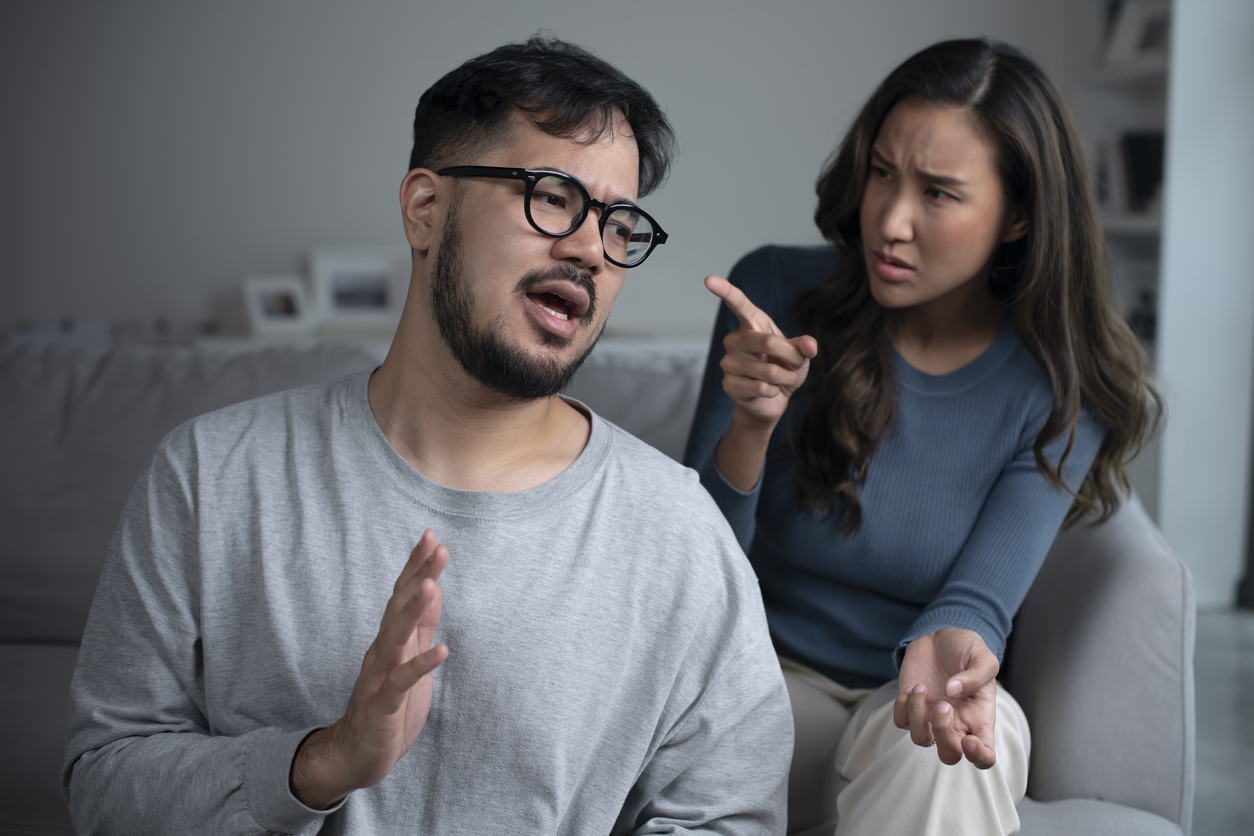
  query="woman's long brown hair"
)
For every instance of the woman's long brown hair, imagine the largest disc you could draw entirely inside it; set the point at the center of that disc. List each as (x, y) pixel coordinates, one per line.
(1054, 285)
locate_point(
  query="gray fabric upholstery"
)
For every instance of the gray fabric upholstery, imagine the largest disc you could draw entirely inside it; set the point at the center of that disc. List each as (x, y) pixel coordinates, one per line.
(1102, 663)
(648, 390)
(34, 714)
(1085, 817)
(77, 424)
(1100, 659)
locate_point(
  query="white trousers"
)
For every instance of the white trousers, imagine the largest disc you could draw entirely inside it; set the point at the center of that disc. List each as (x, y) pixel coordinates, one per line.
(854, 773)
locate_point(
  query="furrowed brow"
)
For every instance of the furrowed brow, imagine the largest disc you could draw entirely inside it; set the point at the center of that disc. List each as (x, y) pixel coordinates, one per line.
(615, 201)
(942, 179)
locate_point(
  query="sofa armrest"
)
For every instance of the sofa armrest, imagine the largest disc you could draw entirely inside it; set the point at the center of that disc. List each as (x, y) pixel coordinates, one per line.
(1102, 663)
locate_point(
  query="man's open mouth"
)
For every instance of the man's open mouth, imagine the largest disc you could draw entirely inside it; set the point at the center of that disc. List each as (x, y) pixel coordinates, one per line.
(553, 303)
(564, 300)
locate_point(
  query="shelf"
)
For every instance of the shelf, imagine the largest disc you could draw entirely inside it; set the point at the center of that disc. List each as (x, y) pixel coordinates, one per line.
(1132, 225)
(1144, 76)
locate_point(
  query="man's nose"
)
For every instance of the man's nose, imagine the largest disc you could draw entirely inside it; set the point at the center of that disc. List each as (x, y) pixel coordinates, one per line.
(583, 247)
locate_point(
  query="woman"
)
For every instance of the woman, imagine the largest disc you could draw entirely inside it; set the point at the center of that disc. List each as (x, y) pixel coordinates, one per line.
(961, 387)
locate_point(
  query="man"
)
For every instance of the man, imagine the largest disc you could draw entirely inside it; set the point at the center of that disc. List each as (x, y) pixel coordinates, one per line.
(582, 651)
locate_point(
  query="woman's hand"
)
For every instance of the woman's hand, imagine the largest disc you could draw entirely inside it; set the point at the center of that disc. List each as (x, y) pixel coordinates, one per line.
(761, 370)
(762, 367)
(948, 695)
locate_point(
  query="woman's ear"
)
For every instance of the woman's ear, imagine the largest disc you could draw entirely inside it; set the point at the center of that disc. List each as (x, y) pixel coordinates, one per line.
(422, 194)
(1016, 225)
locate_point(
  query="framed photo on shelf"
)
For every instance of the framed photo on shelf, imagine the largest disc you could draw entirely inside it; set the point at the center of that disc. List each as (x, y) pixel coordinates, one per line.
(1137, 30)
(277, 306)
(359, 287)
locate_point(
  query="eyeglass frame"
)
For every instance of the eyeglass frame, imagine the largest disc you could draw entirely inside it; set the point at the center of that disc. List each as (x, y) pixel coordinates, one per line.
(531, 177)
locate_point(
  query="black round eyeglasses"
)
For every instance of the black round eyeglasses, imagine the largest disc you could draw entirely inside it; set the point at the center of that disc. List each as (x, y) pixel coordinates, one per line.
(556, 205)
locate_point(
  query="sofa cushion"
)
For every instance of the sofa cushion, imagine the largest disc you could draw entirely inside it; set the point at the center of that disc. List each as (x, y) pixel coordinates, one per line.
(34, 715)
(1086, 817)
(78, 424)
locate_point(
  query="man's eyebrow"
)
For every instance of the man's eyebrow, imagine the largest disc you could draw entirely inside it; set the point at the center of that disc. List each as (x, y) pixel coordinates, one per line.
(614, 201)
(939, 179)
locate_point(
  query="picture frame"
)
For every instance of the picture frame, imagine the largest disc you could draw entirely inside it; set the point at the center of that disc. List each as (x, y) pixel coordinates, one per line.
(1138, 30)
(359, 288)
(277, 306)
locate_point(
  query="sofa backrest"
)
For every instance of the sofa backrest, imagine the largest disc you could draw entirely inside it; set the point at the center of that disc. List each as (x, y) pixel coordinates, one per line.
(77, 425)
(1101, 660)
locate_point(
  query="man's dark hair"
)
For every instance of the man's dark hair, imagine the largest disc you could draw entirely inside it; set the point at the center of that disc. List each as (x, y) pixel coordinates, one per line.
(563, 89)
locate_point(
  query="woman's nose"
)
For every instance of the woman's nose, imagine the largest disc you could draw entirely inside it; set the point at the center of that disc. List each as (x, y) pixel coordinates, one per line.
(897, 220)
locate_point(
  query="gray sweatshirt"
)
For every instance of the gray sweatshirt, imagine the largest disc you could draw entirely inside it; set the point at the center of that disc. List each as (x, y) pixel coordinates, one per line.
(610, 669)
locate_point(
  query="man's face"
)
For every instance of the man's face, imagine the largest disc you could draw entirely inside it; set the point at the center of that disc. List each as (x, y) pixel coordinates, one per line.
(520, 310)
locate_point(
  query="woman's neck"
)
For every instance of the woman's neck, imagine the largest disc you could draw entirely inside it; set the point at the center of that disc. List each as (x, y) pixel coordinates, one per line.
(947, 333)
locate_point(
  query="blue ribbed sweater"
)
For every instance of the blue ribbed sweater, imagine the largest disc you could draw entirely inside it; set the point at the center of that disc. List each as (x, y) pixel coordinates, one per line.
(956, 518)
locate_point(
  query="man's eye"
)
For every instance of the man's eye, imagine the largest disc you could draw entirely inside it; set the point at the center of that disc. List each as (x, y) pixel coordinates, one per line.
(937, 193)
(619, 231)
(555, 201)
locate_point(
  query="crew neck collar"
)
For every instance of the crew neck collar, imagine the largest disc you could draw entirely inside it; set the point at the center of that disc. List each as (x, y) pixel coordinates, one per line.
(986, 363)
(494, 504)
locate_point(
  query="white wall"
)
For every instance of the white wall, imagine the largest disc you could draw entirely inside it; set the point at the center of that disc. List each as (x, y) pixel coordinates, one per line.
(155, 152)
(1206, 301)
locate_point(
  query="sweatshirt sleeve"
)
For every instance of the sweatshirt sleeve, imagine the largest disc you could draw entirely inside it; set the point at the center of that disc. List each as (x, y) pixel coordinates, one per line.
(141, 753)
(725, 745)
(1009, 542)
(724, 769)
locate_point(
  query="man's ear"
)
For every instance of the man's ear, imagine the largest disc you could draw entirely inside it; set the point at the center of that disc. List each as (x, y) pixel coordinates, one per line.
(1016, 225)
(423, 195)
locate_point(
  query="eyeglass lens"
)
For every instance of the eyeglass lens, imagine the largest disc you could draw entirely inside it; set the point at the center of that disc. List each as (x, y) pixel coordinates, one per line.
(555, 206)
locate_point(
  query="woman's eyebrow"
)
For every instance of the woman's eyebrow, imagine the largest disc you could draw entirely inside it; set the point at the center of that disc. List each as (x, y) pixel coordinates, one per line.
(941, 179)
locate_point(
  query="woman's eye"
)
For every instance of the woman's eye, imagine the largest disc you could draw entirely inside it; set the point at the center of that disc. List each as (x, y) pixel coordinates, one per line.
(938, 194)
(881, 173)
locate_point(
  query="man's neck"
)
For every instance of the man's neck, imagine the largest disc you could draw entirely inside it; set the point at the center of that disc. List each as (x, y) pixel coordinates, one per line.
(460, 434)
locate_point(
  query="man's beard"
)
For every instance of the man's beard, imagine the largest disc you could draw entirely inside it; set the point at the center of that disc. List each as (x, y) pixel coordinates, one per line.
(501, 367)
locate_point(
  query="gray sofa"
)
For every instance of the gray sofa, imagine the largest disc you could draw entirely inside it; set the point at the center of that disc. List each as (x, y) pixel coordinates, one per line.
(1101, 657)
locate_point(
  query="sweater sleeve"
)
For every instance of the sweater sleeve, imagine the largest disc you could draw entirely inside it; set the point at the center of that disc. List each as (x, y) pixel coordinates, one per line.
(753, 275)
(141, 755)
(1008, 544)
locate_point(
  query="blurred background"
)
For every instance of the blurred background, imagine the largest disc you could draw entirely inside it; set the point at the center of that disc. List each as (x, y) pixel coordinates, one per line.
(154, 155)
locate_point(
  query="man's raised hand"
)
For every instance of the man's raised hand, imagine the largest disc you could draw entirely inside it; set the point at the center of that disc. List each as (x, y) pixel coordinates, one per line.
(392, 696)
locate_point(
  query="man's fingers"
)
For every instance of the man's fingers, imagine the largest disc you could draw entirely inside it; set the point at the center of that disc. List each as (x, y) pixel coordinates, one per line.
(948, 737)
(420, 555)
(748, 313)
(399, 627)
(406, 675)
(429, 570)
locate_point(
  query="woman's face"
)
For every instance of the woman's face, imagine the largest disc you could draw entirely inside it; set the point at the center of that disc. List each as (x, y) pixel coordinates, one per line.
(934, 210)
